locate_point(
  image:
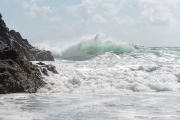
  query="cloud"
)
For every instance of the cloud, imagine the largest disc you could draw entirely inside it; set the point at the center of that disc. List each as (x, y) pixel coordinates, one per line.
(33, 9)
(112, 7)
(142, 3)
(72, 9)
(158, 16)
(54, 19)
(99, 19)
(125, 21)
(129, 20)
(85, 9)
(32, 13)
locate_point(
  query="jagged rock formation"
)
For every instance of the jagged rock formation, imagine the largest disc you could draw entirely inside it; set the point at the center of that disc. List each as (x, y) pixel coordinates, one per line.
(45, 68)
(15, 40)
(17, 74)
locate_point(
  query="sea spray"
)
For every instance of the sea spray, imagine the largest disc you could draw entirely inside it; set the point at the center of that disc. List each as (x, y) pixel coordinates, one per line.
(92, 46)
(100, 65)
(88, 49)
(111, 73)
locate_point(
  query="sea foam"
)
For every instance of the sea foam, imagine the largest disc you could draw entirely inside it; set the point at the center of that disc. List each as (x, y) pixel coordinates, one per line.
(110, 73)
(105, 66)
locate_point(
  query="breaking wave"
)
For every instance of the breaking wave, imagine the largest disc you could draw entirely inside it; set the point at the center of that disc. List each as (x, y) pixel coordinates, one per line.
(98, 65)
(95, 45)
(111, 74)
(91, 48)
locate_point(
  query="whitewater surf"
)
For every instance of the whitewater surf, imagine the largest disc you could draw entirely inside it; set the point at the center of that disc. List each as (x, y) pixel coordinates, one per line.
(103, 79)
(97, 66)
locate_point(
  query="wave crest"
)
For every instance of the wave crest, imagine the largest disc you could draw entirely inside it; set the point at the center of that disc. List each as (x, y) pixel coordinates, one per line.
(91, 48)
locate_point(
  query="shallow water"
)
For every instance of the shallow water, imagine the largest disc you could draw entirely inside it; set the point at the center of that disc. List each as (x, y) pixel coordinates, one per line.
(124, 106)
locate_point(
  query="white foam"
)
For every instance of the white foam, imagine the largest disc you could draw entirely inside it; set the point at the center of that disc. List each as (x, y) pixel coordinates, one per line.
(110, 73)
(124, 106)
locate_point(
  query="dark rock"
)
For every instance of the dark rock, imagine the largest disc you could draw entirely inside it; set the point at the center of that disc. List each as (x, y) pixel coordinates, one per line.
(44, 71)
(45, 67)
(16, 74)
(40, 63)
(15, 40)
(44, 55)
(52, 69)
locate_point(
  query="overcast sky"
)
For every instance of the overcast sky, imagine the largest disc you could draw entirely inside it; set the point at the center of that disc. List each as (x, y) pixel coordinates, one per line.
(144, 22)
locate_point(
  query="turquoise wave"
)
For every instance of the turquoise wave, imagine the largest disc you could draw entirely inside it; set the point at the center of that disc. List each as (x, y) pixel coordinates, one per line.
(88, 49)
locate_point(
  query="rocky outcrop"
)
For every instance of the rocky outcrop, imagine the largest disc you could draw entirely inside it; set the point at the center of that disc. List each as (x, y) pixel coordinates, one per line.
(45, 68)
(17, 75)
(14, 39)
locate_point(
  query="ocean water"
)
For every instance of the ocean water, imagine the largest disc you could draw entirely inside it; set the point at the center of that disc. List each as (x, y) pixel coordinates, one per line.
(104, 80)
(124, 106)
